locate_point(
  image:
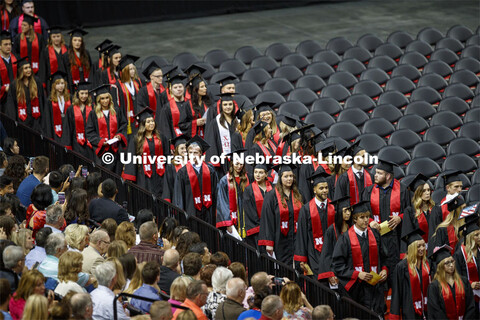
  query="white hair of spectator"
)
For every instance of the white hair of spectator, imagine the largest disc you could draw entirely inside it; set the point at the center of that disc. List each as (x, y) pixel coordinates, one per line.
(147, 230)
(11, 256)
(105, 272)
(219, 279)
(53, 214)
(79, 303)
(55, 241)
(98, 236)
(271, 304)
(235, 287)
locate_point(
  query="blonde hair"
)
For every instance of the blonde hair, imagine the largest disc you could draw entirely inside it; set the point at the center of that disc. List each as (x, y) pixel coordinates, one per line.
(20, 87)
(28, 282)
(120, 284)
(125, 74)
(452, 219)
(285, 129)
(117, 249)
(274, 121)
(136, 281)
(20, 238)
(418, 202)
(76, 100)
(261, 136)
(53, 92)
(441, 278)
(291, 296)
(126, 232)
(411, 256)
(50, 42)
(178, 288)
(98, 106)
(69, 265)
(75, 234)
(36, 308)
(245, 124)
(470, 245)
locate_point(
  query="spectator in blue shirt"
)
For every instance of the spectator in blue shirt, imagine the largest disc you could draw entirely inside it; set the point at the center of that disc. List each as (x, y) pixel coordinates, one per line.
(40, 170)
(5, 298)
(149, 289)
(38, 254)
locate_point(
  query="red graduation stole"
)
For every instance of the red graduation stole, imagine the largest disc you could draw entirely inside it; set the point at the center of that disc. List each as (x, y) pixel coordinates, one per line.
(103, 132)
(37, 26)
(265, 151)
(317, 229)
(152, 99)
(129, 101)
(200, 201)
(4, 73)
(445, 211)
(472, 271)
(276, 136)
(455, 309)
(232, 201)
(423, 224)
(80, 124)
(357, 253)
(35, 51)
(175, 116)
(22, 109)
(325, 167)
(52, 57)
(5, 19)
(200, 132)
(285, 214)
(367, 181)
(394, 201)
(257, 194)
(147, 167)
(419, 295)
(57, 117)
(111, 77)
(75, 70)
(452, 238)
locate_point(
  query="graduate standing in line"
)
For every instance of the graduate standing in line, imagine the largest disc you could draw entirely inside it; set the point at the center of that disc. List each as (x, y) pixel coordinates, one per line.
(77, 61)
(102, 63)
(227, 85)
(111, 74)
(175, 104)
(179, 149)
(194, 121)
(150, 94)
(278, 222)
(51, 57)
(28, 43)
(8, 67)
(358, 252)
(56, 108)
(453, 185)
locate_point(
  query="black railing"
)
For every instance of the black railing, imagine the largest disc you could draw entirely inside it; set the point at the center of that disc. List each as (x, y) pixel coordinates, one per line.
(138, 198)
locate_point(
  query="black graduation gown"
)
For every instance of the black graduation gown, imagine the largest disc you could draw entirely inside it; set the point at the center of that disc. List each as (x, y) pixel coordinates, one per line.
(93, 136)
(169, 181)
(252, 220)
(224, 218)
(136, 172)
(391, 240)
(48, 124)
(439, 238)
(183, 196)
(12, 106)
(329, 240)
(41, 46)
(70, 134)
(436, 217)
(187, 118)
(461, 267)
(83, 75)
(212, 137)
(143, 101)
(342, 187)
(304, 185)
(165, 119)
(436, 304)
(45, 68)
(11, 76)
(102, 77)
(410, 214)
(270, 223)
(369, 296)
(305, 250)
(122, 104)
(402, 300)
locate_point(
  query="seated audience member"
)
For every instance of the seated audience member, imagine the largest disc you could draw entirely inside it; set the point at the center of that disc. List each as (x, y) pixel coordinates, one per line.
(255, 306)
(220, 277)
(69, 266)
(76, 236)
(36, 213)
(185, 241)
(6, 208)
(220, 259)
(295, 303)
(11, 147)
(322, 312)
(272, 308)
(32, 282)
(161, 310)
(110, 225)
(82, 306)
(206, 274)
(23, 238)
(7, 224)
(239, 271)
(149, 289)
(136, 281)
(106, 207)
(192, 264)
(144, 215)
(40, 170)
(36, 307)
(120, 283)
(14, 262)
(196, 298)
(38, 254)
(169, 270)
(103, 296)
(55, 247)
(94, 182)
(93, 254)
(129, 265)
(147, 250)
(3, 164)
(202, 249)
(6, 184)
(178, 291)
(126, 232)
(56, 182)
(16, 170)
(18, 210)
(54, 218)
(232, 306)
(166, 232)
(5, 296)
(116, 249)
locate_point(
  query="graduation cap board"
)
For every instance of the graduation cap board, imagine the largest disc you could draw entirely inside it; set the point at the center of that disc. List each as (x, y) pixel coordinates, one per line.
(103, 45)
(194, 69)
(57, 75)
(290, 119)
(127, 60)
(450, 176)
(54, 30)
(259, 126)
(29, 19)
(151, 68)
(196, 80)
(320, 176)
(360, 207)
(144, 114)
(176, 78)
(242, 110)
(354, 149)
(22, 61)
(281, 168)
(231, 156)
(441, 253)
(5, 35)
(386, 166)
(418, 180)
(325, 147)
(454, 202)
(264, 106)
(181, 139)
(198, 141)
(410, 233)
(105, 88)
(83, 86)
(471, 224)
(227, 96)
(77, 32)
(263, 166)
(112, 49)
(340, 203)
(228, 78)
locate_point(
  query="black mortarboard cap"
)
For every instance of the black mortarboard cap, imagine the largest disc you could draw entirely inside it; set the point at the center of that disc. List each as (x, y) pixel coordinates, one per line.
(77, 32)
(226, 96)
(194, 69)
(419, 180)
(228, 78)
(317, 135)
(290, 119)
(441, 253)
(57, 75)
(196, 80)
(230, 156)
(325, 147)
(455, 203)
(243, 109)
(264, 166)
(360, 207)
(104, 88)
(166, 69)
(22, 61)
(54, 30)
(340, 203)
(197, 140)
(126, 60)
(471, 224)
(104, 45)
(450, 176)
(354, 149)
(170, 72)
(145, 113)
(29, 19)
(112, 49)
(291, 136)
(281, 168)
(177, 77)
(83, 86)
(152, 66)
(410, 232)
(386, 165)
(264, 106)
(5, 34)
(181, 139)
(318, 177)
(259, 126)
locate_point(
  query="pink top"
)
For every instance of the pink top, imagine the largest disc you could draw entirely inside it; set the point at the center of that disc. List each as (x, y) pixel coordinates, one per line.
(16, 307)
